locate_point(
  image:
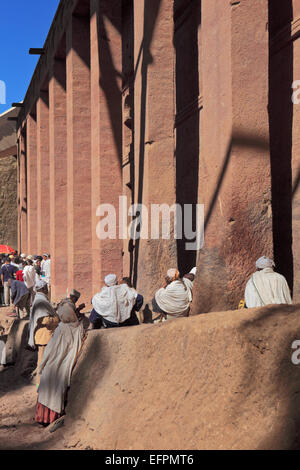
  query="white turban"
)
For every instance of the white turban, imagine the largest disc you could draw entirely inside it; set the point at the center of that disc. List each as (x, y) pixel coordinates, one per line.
(111, 280)
(173, 274)
(193, 271)
(40, 284)
(23, 255)
(264, 262)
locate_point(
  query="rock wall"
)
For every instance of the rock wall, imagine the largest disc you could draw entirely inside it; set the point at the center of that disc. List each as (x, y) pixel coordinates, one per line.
(8, 202)
(217, 381)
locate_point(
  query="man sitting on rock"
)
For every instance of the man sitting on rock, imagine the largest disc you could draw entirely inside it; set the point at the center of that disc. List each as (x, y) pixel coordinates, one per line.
(59, 358)
(175, 298)
(266, 286)
(70, 302)
(133, 320)
(113, 306)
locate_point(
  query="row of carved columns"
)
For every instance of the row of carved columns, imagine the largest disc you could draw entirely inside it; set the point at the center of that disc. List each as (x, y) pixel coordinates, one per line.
(162, 101)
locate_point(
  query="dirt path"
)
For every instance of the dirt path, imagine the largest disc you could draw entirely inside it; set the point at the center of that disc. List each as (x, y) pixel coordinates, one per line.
(18, 396)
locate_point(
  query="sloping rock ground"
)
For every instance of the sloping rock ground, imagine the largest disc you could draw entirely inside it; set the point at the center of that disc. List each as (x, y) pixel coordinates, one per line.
(216, 381)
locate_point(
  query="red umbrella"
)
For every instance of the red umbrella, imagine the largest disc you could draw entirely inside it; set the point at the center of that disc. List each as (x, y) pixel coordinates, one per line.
(5, 249)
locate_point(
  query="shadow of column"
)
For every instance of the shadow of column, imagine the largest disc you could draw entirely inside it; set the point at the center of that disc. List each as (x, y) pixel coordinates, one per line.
(187, 19)
(150, 18)
(281, 121)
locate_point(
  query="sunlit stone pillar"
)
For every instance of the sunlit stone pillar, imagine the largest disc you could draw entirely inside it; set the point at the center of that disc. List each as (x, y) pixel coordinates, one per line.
(58, 179)
(79, 156)
(106, 183)
(43, 186)
(32, 184)
(154, 142)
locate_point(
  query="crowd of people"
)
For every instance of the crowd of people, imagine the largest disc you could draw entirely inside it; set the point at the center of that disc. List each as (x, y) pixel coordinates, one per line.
(56, 331)
(19, 275)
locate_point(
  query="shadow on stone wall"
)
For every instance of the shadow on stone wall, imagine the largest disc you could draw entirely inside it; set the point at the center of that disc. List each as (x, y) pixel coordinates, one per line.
(187, 20)
(151, 11)
(281, 59)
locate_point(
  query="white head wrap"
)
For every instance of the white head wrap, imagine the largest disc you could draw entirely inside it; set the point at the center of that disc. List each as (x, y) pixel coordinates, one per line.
(193, 271)
(265, 262)
(173, 274)
(23, 255)
(111, 280)
(40, 284)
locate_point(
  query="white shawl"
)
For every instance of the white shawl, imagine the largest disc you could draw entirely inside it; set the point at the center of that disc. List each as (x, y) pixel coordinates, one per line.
(2, 353)
(57, 364)
(115, 303)
(41, 307)
(175, 299)
(267, 287)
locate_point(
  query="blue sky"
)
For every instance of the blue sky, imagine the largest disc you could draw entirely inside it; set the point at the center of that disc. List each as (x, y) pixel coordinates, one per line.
(23, 24)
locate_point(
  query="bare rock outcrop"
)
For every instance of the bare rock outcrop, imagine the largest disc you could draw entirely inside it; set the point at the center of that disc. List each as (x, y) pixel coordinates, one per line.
(217, 381)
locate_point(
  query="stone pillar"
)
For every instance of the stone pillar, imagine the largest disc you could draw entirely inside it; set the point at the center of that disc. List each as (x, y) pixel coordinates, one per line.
(58, 179)
(234, 176)
(23, 193)
(292, 68)
(106, 67)
(32, 184)
(19, 189)
(43, 186)
(79, 156)
(128, 125)
(154, 135)
(283, 29)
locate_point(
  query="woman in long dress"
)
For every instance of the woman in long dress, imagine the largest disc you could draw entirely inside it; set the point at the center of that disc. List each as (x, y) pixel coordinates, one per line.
(56, 367)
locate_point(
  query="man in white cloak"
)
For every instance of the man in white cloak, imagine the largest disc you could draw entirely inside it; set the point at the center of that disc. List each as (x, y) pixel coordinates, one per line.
(41, 309)
(266, 287)
(56, 367)
(29, 277)
(175, 298)
(113, 305)
(2, 347)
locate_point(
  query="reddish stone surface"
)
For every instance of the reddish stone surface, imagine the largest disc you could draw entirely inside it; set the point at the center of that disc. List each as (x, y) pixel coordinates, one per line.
(22, 238)
(79, 156)
(219, 381)
(58, 180)
(154, 139)
(234, 173)
(106, 134)
(31, 185)
(43, 186)
(169, 102)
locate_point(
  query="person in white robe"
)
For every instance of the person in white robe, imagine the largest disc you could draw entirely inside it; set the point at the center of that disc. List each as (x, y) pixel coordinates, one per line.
(42, 323)
(175, 298)
(30, 278)
(2, 347)
(56, 367)
(114, 304)
(47, 270)
(266, 287)
(41, 308)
